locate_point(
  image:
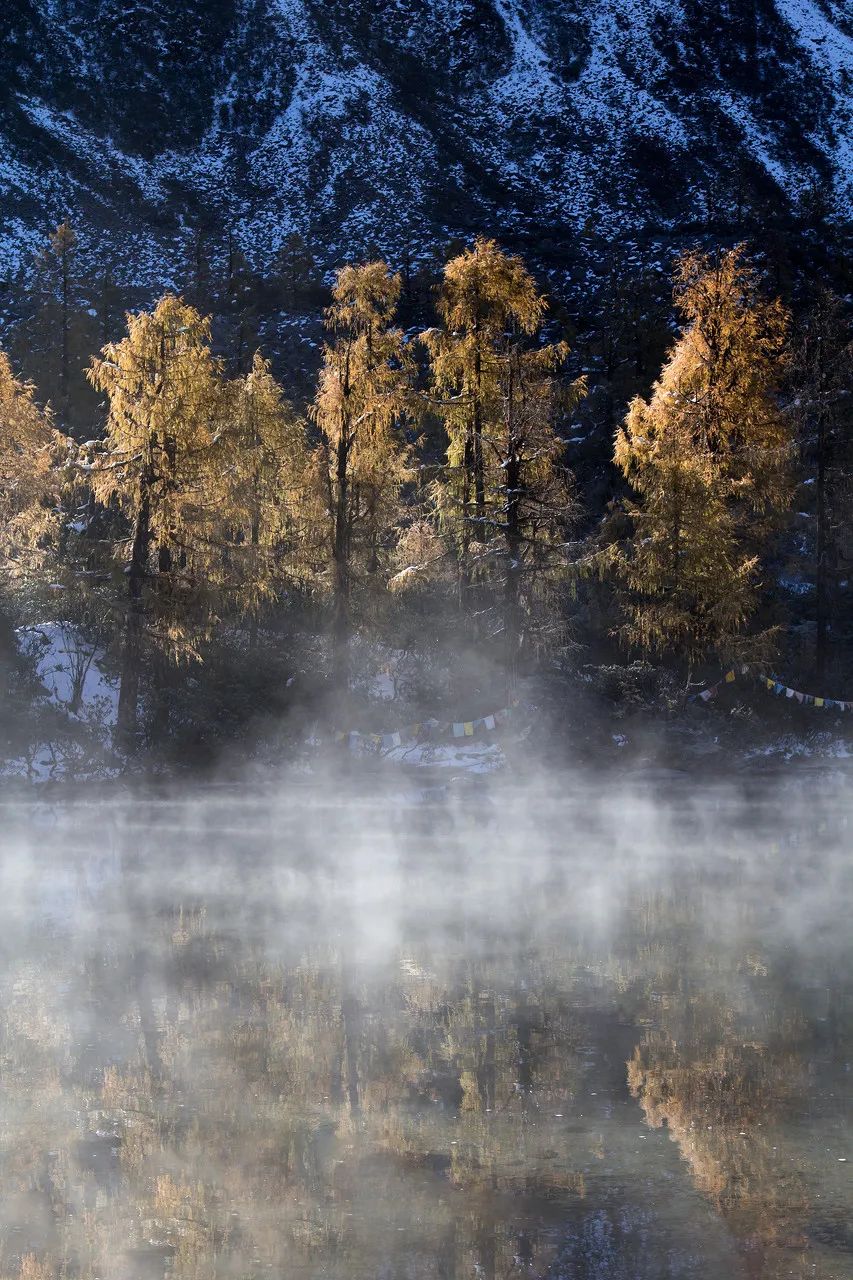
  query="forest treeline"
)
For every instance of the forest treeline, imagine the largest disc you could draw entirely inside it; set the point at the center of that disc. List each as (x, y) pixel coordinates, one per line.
(426, 486)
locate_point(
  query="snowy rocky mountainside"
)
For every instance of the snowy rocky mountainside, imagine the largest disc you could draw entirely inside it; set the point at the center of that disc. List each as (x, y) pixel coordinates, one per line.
(363, 123)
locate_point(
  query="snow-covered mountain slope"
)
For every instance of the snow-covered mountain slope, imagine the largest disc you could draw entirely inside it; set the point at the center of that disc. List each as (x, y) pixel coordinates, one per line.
(361, 123)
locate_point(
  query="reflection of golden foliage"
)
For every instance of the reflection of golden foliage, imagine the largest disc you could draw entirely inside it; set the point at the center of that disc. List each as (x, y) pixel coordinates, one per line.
(34, 1269)
(176, 1200)
(718, 1102)
(130, 1097)
(181, 1208)
(470, 1091)
(755, 965)
(190, 924)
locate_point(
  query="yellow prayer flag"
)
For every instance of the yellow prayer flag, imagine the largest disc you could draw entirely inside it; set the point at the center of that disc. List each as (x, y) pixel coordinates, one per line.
(818, 702)
(469, 728)
(730, 677)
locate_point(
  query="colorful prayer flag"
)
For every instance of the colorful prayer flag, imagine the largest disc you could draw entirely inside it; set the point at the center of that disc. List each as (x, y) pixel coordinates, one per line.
(459, 731)
(469, 728)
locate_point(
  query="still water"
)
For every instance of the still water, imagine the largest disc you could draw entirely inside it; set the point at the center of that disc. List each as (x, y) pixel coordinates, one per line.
(550, 1031)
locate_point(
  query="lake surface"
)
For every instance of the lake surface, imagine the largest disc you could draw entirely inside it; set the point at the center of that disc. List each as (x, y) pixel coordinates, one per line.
(550, 1031)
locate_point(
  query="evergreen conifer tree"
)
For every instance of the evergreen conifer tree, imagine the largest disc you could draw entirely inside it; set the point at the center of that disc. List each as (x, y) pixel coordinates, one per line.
(58, 332)
(363, 456)
(260, 467)
(163, 393)
(822, 376)
(505, 497)
(28, 449)
(708, 457)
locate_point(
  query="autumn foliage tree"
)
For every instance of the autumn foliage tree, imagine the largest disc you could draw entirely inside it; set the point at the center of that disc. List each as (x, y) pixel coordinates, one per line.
(28, 444)
(259, 468)
(362, 457)
(163, 393)
(707, 457)
(505, 497)
(29, 526)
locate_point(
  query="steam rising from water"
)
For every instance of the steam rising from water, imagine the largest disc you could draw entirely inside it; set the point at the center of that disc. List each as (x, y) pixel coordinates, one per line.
(550, 1027)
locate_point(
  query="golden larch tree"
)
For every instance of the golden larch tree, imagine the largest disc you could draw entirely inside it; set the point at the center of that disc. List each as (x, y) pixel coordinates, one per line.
(362, 458)
(28, 449)
(505, 496)
(260, 469)
(708, 457)
(164, 394)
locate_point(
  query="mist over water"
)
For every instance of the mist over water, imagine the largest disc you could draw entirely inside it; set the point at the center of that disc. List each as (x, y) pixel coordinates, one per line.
(552, 1029)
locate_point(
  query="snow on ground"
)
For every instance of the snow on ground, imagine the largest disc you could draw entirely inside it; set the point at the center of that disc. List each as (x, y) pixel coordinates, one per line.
(386, 680)
(71, 670)
(620, 37)
(820, 32)
(788, 747)
(478, 757)
(100, 153)
(760, 144)
(529, 84)
(344, 146)
(78, 687)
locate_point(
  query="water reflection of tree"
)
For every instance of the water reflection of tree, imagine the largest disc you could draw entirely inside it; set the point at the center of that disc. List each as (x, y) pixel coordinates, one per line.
(192, 1095)
(221, 1110)
(728, 1066)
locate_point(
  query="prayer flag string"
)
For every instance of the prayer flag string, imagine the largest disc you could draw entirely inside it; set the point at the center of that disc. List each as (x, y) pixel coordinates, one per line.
(427, 730)
(775, 686)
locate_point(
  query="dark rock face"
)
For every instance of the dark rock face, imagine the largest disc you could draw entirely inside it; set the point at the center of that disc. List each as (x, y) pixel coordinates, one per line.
(367, 123)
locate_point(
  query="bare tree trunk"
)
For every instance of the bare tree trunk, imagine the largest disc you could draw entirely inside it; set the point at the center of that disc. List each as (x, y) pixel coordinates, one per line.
(341, 625)
(351, 1021)
(128, 703)
(821, 601)
(512, 613)
(479, 470)
(255, 539)
(164, 679)
(465, 575)
(63, 373)
(486, 1067)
